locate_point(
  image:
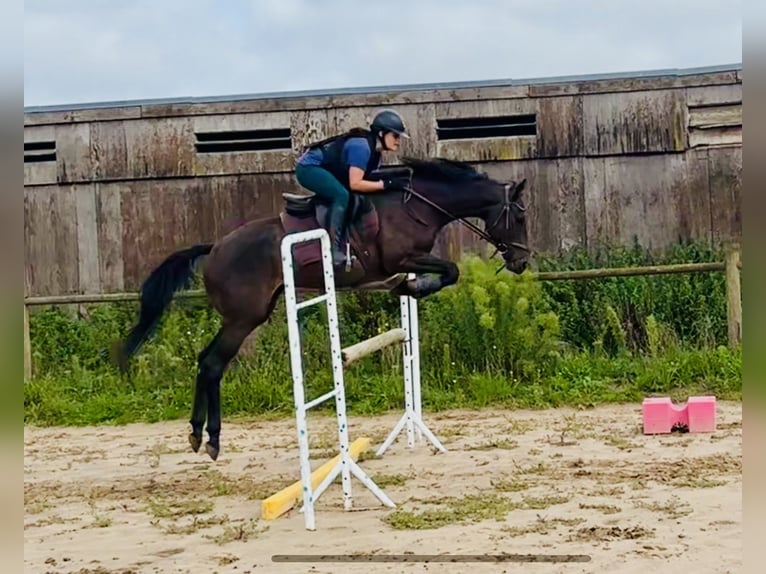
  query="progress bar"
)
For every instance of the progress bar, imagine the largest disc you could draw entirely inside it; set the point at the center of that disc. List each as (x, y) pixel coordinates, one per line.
(445, 558)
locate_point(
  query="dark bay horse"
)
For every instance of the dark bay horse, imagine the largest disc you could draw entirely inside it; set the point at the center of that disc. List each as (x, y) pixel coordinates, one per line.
(391, 233)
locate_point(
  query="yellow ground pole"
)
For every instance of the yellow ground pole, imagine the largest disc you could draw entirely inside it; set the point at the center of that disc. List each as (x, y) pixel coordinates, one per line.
(277, 504)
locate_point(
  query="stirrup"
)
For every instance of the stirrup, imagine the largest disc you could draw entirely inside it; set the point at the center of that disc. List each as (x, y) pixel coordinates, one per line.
(348, 256)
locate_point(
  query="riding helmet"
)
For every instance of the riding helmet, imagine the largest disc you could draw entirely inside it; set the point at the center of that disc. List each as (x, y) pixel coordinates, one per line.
(389, 120)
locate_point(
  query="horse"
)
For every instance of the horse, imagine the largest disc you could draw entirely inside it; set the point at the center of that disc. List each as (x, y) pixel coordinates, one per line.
(391, 234)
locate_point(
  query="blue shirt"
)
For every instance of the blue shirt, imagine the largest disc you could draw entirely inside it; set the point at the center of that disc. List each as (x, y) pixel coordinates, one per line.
(356, 152)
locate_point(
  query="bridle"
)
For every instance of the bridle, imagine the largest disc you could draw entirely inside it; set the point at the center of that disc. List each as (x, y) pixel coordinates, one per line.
(500, 246)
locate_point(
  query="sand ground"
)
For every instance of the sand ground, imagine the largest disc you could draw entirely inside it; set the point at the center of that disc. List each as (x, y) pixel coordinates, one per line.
(135, 499)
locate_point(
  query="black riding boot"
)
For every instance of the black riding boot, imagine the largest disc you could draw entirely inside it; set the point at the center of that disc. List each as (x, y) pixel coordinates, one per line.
(336, 229)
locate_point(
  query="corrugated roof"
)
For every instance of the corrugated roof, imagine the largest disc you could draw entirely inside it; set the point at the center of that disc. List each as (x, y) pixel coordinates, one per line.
(389, 88)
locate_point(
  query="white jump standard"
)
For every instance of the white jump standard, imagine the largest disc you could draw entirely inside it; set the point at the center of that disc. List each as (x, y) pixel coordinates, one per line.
(412, 407)
(407, 334)
(345, 466)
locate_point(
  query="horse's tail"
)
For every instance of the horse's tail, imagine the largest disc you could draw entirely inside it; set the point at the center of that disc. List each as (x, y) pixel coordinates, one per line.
(157, 291)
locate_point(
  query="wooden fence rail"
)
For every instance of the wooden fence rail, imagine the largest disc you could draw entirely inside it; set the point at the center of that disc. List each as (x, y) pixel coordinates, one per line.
(731, 266)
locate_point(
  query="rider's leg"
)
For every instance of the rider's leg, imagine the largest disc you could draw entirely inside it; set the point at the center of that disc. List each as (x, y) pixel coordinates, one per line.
(325, 185)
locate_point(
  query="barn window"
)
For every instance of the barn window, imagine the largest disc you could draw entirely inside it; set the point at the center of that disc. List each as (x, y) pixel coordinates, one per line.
(243, 140)
(486, 127)
(35, 152)
(715, 124)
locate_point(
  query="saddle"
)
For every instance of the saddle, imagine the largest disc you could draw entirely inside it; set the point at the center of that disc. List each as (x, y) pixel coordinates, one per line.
(305, 212)
(309, 211)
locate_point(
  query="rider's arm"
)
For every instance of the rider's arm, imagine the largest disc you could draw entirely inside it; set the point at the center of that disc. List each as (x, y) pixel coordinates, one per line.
(358, 183)
(357, 154)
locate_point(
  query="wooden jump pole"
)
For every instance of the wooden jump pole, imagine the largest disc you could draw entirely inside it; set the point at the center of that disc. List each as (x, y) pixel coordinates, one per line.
(360, 350)
(278, 503)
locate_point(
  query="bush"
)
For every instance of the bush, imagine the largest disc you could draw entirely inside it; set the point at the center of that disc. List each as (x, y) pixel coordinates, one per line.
(492, 339)
(611, 314)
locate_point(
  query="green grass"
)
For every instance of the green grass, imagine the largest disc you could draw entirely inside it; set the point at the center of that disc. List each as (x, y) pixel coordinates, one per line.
(439, 512)
(468, 509)
(492, 340)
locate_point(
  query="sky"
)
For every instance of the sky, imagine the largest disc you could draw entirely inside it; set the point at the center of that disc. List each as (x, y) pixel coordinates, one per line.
(83, 51)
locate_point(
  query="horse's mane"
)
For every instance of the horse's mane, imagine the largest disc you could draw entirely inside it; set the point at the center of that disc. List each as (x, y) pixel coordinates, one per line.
(444, 169)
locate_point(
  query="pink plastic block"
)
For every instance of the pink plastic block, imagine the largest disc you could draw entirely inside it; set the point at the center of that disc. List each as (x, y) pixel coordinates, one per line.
(701, 414)
(661, 415)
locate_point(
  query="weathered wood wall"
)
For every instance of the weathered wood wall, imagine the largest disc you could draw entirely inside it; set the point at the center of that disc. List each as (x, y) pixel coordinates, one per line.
(657, 158)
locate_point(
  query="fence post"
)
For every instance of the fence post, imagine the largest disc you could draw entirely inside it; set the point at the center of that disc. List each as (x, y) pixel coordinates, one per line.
(27, 346)
(733, 296)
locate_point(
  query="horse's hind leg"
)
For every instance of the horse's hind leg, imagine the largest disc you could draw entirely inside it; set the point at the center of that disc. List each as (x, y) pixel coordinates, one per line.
(212, 366)
(199, 410)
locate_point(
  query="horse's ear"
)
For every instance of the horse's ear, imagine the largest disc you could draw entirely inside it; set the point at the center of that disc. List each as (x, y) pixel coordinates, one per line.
(519, 188)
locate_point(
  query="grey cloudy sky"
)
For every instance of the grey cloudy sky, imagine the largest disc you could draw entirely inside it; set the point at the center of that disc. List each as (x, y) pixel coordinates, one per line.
(78, 51)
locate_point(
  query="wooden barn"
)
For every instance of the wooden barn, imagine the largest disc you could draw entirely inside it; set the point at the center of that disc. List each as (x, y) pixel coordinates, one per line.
(111, 188)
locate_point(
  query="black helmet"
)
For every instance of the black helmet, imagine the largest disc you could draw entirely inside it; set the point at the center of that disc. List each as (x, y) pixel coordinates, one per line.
(390, 121)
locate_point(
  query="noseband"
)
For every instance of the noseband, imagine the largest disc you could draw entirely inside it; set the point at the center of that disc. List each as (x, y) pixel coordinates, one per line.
(501, 247)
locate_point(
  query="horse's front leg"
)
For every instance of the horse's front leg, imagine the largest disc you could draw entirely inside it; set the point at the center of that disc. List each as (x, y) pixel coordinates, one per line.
(431, 275)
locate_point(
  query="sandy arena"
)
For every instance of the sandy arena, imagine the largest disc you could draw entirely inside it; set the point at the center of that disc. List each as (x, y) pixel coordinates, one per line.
(135, 499)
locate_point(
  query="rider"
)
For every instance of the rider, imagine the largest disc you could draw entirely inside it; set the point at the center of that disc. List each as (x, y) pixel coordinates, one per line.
(336, 166)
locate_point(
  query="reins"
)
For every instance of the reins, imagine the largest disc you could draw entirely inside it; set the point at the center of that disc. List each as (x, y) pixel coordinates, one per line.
(500, 247)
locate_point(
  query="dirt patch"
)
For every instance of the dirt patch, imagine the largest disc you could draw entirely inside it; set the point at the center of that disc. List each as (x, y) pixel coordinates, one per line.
(135, 499)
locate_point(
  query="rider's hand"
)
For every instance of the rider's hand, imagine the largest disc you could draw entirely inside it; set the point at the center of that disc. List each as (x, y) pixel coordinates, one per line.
(396, 183)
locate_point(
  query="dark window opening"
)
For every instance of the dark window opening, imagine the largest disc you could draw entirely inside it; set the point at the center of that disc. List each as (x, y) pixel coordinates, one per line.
(486, 127)
(35, 152)
(243, 140)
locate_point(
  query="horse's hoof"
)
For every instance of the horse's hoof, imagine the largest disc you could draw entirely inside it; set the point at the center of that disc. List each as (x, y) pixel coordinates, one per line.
(195, 441)
(211, 451)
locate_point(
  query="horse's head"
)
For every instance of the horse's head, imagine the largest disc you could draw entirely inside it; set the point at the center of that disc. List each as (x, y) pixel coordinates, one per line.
(459, 191)
(506, 224)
